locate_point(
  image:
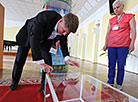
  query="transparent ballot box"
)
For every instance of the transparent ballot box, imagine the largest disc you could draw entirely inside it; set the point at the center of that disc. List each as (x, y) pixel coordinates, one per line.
(78, 87)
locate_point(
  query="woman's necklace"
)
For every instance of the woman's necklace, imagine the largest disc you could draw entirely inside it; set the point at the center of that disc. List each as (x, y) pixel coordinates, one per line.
(119, 18)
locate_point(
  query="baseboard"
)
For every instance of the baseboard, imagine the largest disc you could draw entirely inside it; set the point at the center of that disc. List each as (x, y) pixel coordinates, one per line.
(13, 53)
(132, 72)
(101, 64)
(89, 61)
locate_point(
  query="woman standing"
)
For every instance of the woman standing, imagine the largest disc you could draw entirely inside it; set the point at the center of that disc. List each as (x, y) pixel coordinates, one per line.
(119, 42)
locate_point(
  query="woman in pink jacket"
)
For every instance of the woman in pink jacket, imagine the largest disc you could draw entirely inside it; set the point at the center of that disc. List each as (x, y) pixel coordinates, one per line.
(119, 42)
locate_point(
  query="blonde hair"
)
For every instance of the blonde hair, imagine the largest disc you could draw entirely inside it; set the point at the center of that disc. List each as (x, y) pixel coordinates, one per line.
(116, 1)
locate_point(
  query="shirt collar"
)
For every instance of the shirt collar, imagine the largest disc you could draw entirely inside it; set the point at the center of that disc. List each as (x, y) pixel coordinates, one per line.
(55, 29)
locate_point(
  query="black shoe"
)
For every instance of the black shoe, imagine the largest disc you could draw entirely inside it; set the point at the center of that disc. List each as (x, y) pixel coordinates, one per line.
(42, 86)
(41, 89)
(13, 86)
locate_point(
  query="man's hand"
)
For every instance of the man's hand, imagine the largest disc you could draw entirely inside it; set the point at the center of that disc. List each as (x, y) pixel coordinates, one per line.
(72, 63)
(46, 68)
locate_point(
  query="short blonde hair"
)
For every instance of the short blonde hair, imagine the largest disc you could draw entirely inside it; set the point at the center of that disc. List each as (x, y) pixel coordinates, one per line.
(116, 1)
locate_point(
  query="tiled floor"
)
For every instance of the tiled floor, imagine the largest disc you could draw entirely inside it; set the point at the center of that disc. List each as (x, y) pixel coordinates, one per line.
(31, 69)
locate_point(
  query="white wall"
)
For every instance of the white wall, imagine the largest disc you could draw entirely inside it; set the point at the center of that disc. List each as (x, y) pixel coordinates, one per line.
(98, 15)
(132, 62)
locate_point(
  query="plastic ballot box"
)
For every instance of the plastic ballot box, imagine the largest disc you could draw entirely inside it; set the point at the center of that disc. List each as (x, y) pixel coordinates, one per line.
(80, 87)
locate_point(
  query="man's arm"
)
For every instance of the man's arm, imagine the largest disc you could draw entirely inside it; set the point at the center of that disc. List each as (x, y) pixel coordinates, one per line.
(64, 48)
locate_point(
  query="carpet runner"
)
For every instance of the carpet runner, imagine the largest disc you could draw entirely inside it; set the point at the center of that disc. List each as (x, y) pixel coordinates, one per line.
(28, 90)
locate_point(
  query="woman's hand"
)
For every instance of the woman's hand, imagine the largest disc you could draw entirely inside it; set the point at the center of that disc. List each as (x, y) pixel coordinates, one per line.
(105, 47)
(131, 48)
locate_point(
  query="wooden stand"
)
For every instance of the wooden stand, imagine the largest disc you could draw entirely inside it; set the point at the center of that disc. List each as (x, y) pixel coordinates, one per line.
(1, 34)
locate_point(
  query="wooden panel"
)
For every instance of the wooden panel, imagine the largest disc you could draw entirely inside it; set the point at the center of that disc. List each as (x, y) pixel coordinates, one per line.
(1, 34)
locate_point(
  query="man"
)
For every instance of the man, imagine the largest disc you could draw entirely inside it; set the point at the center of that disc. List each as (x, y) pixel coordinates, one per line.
(39, 33)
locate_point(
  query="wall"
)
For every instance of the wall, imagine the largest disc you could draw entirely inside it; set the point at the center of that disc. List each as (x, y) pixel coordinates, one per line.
(91, 41)
(94, 42)
(10, 33)
(11, 29)
(132, 62)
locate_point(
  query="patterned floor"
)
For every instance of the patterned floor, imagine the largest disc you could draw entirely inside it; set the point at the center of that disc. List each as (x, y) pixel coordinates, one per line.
(7, 82)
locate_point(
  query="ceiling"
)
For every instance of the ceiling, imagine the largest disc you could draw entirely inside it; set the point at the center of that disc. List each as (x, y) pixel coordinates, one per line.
(20, 10)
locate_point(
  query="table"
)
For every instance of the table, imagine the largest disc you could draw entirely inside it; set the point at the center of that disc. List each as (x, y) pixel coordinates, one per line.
(80, 87)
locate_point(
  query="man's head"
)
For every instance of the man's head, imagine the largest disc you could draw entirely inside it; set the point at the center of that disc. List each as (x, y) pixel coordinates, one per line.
(118, 6)
(69, 23)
